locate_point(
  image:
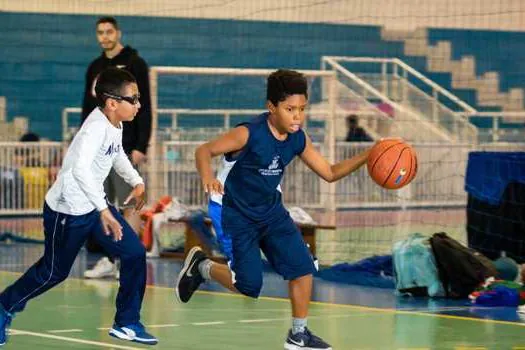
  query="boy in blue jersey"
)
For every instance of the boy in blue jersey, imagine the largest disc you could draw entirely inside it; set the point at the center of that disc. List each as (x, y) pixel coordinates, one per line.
(75, 208)
(246, 204)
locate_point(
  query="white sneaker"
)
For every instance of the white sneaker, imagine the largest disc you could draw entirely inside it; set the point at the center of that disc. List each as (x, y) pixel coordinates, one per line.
(103, 268)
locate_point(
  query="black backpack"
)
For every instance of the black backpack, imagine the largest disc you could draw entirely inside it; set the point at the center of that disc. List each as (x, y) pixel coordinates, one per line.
(461, 269)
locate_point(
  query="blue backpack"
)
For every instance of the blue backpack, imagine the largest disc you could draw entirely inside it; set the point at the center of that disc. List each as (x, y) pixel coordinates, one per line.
(415, 267)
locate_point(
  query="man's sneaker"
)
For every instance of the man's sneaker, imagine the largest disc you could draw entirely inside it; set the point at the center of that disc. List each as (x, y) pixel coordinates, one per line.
(5, 322)
(305, 341)
(103, 268)
(190, 277)
(134, 332)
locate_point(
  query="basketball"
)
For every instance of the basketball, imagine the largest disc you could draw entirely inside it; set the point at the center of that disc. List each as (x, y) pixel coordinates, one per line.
(392, 164)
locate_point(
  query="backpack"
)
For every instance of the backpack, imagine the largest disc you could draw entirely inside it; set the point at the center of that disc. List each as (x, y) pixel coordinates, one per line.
(461, 269)
(415, 269)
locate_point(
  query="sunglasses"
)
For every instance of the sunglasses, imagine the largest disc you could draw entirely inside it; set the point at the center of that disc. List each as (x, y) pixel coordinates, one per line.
(130, 99)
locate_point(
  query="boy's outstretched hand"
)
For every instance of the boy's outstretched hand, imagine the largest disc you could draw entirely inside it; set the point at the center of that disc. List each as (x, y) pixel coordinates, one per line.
(139, 194)
(212, 186)
(110, 224)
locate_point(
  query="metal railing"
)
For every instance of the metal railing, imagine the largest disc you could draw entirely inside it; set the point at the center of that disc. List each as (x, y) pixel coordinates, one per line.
(26, 172)
(440, 181)
(503, 126)
(391, 81)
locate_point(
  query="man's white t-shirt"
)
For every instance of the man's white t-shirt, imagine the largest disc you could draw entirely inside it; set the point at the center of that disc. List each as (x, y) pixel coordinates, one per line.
(96, 148)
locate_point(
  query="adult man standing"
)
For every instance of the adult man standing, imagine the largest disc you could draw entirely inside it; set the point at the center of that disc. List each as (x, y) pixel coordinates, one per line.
(136, 133)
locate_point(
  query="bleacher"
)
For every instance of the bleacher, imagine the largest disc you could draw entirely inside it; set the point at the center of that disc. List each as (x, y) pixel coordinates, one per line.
(495, 51)
(44, 69)
(44, 61)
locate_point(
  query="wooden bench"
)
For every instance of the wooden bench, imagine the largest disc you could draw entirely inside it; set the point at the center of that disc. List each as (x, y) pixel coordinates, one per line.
(192, 239)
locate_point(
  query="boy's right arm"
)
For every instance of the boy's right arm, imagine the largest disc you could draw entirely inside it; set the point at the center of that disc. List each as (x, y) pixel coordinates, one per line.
(232, 141)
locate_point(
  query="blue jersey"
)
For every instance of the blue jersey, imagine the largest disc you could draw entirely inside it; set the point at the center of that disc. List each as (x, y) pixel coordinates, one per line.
(252, 177)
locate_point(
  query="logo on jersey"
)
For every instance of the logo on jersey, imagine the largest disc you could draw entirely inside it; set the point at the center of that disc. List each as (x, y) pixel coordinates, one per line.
(275, 163)
(112, 149)
(273, 169)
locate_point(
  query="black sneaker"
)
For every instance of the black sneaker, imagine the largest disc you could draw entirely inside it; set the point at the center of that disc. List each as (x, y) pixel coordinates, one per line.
(190, 277)
(305, 341)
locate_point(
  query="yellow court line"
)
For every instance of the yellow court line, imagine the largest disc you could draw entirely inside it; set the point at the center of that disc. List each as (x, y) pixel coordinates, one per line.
(322, 303)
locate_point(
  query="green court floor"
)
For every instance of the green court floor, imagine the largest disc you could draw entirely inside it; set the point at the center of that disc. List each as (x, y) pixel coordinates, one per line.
(77, 314)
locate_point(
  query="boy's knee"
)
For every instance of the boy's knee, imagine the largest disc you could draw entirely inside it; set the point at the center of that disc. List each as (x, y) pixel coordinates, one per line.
(54, 277)
(60, 277)
(251, 288)
(51, 274)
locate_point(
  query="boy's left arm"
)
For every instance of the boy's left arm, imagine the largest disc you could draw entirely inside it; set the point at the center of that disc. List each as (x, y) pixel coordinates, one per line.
(315, 161)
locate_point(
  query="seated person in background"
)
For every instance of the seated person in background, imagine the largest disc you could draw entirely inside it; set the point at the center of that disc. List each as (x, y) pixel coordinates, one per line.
(355, 132)
(28, 156)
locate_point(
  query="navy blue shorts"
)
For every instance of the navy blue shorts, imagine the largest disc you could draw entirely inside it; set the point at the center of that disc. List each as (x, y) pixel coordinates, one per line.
(280, 240)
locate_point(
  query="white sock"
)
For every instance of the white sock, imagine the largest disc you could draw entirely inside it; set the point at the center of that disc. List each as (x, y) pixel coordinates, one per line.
(298, 325)
(205, 268)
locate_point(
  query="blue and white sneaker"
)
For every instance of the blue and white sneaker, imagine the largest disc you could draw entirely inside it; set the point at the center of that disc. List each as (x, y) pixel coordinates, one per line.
(5, 322)
(133, 332)
(305, 341)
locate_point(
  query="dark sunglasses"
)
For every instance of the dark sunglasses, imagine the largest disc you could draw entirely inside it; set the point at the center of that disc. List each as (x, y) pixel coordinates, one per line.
(130, 99)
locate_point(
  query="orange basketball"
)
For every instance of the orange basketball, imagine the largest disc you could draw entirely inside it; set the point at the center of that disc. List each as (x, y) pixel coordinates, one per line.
(392, 164)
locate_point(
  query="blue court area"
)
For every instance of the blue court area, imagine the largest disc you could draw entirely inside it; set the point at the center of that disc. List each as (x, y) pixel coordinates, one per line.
(77, 314)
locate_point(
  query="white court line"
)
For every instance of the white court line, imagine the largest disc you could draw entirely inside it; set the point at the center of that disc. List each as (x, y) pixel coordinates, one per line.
(162, 325)
(207, 323)
(74, 340)
(65, 331)
(263, 320)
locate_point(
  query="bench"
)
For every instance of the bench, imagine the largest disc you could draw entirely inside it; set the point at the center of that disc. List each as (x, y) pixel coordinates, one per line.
(192, 239)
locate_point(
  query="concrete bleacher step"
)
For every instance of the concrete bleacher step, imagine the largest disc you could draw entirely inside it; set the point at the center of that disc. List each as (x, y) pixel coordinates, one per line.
(12, 131)
(463, 71)
(438, 57)
(489, 94)
(394, 34)
(415, 42)
(515, 100)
